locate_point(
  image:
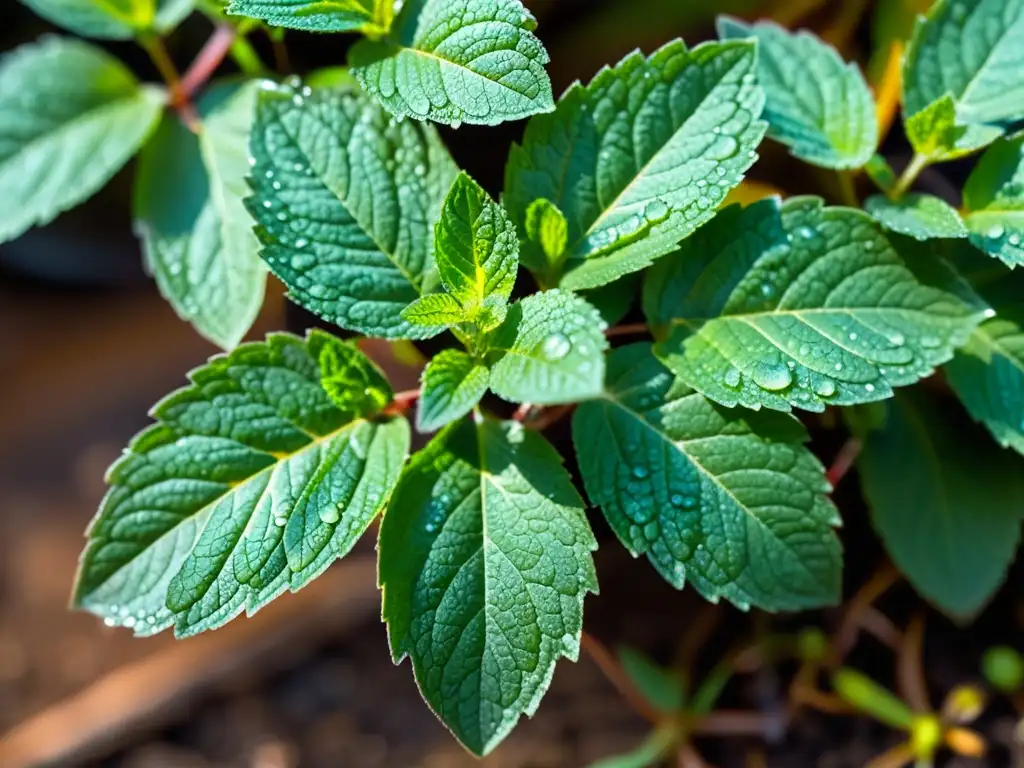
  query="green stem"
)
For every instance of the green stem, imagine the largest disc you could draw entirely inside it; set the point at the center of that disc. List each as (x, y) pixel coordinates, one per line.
(246, 58)
(847, 189)
(157, 50)
(909, 175)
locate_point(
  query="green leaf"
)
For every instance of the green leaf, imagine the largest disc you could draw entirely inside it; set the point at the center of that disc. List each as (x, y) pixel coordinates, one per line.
(652, 751)
(973, 50)
(352, 381)
(987, 373)
(860, 691)
(935, 133)
(371, 17)
(547, 234)
(477, 248)
(918, 215)
(346, 202)
(58, 145)
(662, 687)
(197, 236)
(485, 558)
(994, 202)
(945, 500)
(550, 349)
(640, 157)
(113, 19)
(453, 382)
(458, 61)
(434, 313)
(831, 314)
(728, 500)
(816, 104)
(250, 483)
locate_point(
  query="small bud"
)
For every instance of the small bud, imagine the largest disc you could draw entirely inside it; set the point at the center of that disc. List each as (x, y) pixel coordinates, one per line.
(963, 705)
(1003, 667)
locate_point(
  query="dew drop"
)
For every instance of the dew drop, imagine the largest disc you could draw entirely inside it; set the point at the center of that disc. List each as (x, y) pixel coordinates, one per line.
(989, 313)
(930, 342)
(897, 339)
(677, 500)
(839, 366)
(280, 521)
(805, 232)
(330, 515)
(732, 378)
(555, 347)
(804, 349)
(772, 377)
(869, 388)
(1015, 239)
(655, 210)
(109, 622)
(853, 337)
(639, 472)
(996, 231)
(825, 387)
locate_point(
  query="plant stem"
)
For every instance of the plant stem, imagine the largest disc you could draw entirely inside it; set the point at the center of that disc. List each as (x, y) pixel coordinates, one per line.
(207, 61)
(246, 57)
(627, 330)
(844, 460)
(847, 189)
(917, 164)
(611, 669)
(157, 50)
(402, 402)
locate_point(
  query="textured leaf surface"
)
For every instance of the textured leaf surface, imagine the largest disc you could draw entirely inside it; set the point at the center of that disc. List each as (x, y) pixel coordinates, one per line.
(477, 247)
(349, 377)
(346, 202)
(829, 314)
(485, 558)
(547, 236)
(816, 104)
(453, 382)
(550, 349)
(61, 137)
(112, 19)
(917, 215)
(367, 16)
(987, 373)
(458, 61)
(994, 201)
(728, 500)
(936, 133)
(197, 236)
(251, 482)
(642, 156)
(434, 312)
(946, 501)
(973, 50)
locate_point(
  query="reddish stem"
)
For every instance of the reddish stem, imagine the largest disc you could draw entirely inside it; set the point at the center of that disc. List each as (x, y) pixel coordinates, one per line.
(522, 412)
(627, 330)
(611, 669)
(206, 63)
(844, 460)
(402, 402)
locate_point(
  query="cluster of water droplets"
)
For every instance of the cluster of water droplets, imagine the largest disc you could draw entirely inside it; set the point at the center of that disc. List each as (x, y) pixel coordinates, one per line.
(122, 616)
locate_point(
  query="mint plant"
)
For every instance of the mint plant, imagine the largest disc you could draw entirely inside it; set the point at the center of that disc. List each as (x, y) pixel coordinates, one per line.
(279, 454)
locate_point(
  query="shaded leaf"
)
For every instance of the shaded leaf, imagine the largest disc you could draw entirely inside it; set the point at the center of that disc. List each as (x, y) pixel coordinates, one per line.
(917, 215)
(113, 19)
(994, 201)
(60, 144)
(196, 233)
(945, 500)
